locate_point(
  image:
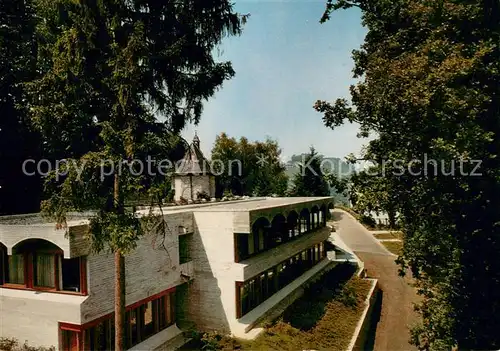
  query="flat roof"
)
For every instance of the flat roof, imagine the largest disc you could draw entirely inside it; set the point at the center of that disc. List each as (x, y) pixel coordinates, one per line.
(263, 203)
(239, 205)
(39, 220)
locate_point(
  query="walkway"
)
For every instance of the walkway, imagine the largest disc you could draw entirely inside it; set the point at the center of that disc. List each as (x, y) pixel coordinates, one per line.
(398, 296)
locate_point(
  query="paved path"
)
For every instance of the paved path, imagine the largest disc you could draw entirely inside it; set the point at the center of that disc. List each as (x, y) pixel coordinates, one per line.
(357, 237)
(397, 295)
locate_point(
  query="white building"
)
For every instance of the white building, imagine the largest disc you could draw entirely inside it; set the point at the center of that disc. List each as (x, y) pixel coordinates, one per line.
(219, 266)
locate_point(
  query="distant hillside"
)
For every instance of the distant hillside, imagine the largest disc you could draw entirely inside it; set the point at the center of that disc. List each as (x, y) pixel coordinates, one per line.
(333, 165)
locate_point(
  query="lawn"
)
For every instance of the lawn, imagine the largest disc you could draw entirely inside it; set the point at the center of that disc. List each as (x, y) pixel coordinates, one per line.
(324, 318)
(389, 235)
(396, 247)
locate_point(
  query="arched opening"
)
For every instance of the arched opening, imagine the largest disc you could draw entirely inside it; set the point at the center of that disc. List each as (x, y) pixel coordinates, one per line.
(279, 231)
(304, 221)
(35, 263)
(314, 217)
(40, 265)
(258, 235)
(322, 215)
(329, 211)
(3, 264)
(293, 227)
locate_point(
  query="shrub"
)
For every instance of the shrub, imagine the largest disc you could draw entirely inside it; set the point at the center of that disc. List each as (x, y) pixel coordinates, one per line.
(367, 221)
(202, 195)
(214, 341)
(347, 296)
(7, 344)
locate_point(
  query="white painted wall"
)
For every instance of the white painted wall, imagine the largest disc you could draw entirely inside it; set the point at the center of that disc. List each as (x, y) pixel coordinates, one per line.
(199, 183)
(34, 316)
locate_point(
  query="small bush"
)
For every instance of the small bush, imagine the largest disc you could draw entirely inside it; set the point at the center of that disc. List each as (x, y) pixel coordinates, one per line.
(203, 195)
(214, 341)
(347, 296)
(7, 344)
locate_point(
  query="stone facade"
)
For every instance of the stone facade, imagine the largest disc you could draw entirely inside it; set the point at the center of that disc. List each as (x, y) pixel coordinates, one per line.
(193, 176)
(189, 186)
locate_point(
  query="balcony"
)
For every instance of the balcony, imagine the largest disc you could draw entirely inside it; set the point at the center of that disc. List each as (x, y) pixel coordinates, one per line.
(270, 258)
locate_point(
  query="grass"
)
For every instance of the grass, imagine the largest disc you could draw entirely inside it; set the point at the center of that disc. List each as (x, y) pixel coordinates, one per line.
(396, 247)
(389, 235)
(324, 318)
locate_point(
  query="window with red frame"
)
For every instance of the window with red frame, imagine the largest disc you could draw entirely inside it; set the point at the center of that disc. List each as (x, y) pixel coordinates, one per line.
(40, 265)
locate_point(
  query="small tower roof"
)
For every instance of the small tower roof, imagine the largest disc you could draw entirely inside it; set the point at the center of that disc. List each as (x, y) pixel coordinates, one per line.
(196, 140)
(194, 162)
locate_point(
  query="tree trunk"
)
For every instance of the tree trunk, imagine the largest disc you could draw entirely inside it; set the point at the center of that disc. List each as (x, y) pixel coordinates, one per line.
(119, 301)
(119, 279)
(392, 219)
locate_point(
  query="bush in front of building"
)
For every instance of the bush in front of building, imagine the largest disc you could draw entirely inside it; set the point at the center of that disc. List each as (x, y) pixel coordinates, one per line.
(11, 344)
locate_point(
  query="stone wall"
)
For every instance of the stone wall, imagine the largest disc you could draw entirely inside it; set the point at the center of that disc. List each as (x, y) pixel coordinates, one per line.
(198, 183)
(151, 268)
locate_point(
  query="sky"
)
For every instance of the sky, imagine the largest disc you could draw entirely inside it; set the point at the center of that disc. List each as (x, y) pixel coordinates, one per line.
(285, 60)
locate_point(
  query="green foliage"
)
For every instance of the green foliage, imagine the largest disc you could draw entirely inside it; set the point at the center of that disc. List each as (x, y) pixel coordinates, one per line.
(371, 192)
(111, 68)
(243, 173)
(118, 81)
(310, 180)
(368, 221)
(430, 90)
(324, 318)
(7, 344)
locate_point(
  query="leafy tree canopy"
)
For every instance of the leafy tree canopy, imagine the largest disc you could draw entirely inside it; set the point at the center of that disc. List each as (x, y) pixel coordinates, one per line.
(107, 71)
(249, 168)
(430, 88)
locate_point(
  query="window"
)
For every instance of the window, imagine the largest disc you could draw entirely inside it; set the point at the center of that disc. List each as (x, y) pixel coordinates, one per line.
(242, 249)
(251, 243)
(304, 224)
(70, 340)
(39, 265)
(72, 274)
(142, 320)
(149, 317)
(253, 292)
(44, 268)
(100, 336)
(3, 264)
(184, 248)
(16, 269)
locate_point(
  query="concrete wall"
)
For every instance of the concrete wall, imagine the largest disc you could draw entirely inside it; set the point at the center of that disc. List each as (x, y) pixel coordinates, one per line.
(34, 316)
(212, 292)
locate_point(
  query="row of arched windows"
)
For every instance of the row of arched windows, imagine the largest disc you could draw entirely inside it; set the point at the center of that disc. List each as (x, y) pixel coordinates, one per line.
(37, 264)
(266, 235)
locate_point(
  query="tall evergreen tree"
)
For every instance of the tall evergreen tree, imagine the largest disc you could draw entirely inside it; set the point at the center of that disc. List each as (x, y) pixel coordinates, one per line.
(310, 180)
(113, 67)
